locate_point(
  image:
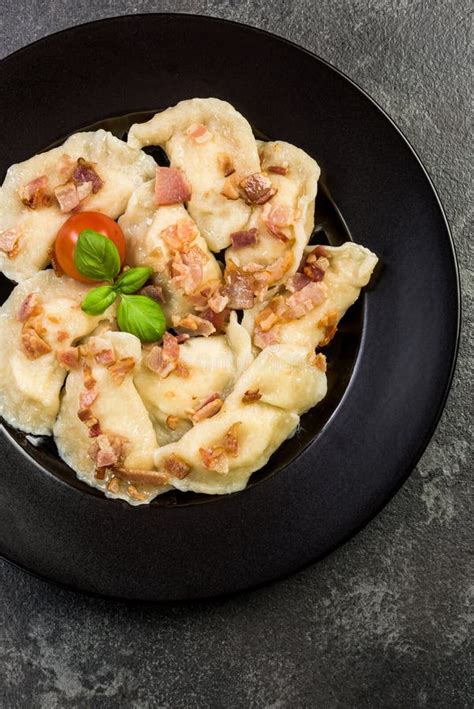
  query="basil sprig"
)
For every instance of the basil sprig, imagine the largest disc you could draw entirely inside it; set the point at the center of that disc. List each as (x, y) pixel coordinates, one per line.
(98, 258)
(141, 316)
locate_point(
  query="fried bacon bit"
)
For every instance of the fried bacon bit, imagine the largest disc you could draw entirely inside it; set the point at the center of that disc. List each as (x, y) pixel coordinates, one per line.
(239, 288)
(231, 442)
(315, 267)
(101, 350)
(68, 357)
(92, 423)
(89, 381)
(107, 450)
(87, 398)
(305, 300)
(297, 282)
(30, 307)
(229, 190)
(321, 251)
(329, 322)
(33, 345)
(35, 193)
(172, 422)
(217, 320)
(265, 339)
(171, 186)
(136, 494)
(183, 337)
(199, 133)
(105, 357)
(187, 269)
(84, 190)
(67, 197)
(119, 369)
(250, 396)
(9, 241)
(155, 293)
(62, 335)
(241, 239)
(226, 164)
(84, 173)
(137, 475)
(176, 467)
(276, 218)
(277, 169)
(113, 484)
(217, 302)
(257, 188)
(268, 320)
(195, 324)
(211, 406)
(164, 360)
(179, 236)
(215, 458)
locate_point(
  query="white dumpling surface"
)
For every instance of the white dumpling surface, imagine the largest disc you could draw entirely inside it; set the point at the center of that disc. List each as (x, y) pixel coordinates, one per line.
(206, 138)
(120, 168)
(30, 384)
(119, 412)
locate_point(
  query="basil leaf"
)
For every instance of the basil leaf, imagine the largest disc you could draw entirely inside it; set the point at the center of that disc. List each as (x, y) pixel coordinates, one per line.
(98, 300)
(141, 316)
(132, 280)
(96, 256)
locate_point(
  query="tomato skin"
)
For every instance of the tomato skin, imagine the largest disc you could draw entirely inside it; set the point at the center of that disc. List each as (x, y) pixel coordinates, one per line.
(68, 235)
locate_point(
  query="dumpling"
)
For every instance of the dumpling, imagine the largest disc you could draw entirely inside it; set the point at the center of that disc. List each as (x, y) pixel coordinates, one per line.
(39, 323)
(103, 430)
(272, 244)
(214, 146)
(204, 371)
(220, 453)
(315, 299)
(93, 171)
(167, 239)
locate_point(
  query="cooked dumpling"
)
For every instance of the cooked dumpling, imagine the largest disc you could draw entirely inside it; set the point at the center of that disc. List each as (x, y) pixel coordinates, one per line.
(167, 239)
(213, 145)
(193, 381)
(315, 299)
(39, 323)
(271, 246)
(220, 453)
(103, 430)
(90, 171)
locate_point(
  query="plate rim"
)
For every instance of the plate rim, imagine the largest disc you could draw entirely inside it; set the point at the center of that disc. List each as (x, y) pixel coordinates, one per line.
(436, 416)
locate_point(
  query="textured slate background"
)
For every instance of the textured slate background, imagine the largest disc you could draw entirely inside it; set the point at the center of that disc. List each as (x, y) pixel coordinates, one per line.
(383, 622)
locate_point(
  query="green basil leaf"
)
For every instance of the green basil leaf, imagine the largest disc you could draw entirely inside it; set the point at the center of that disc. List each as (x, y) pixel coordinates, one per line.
(132, 280)
(96, 256)
(98, 300)
(141, 316)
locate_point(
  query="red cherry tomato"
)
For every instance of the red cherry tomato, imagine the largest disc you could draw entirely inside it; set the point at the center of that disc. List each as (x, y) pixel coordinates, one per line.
(69, 233)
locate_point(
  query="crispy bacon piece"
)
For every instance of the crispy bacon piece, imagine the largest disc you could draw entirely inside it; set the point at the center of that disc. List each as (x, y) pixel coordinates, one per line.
(195, 324)
(305, 300)
(62, 335)
(241, 239)
(107, 450)
(229, 189)
(297, 282)
(89, 381)
(257, 188)
(87, 398)
(9, 241)
(276, 218)
(277, 169)
(231, 441)
(265, 339)
(329, 322)
(136, 494)
(35, 193)
(84, 190)
(176, 467)
(217, 301)
(33, 344)
(199, 133)
(250, 396)
(171, 186)
(215, 458)
(217, 320)
(146, 477)
(92, 423)
(105, 357)
(113, 484)
(68, 357)
(85, 172)
(187, 269)
(30, 307)
(164, 360)
(179, 236)
(211, 406)
(119, 369)
(155, 293)
(100, 348)
(67, 197)
(239, 288)
(226, 164)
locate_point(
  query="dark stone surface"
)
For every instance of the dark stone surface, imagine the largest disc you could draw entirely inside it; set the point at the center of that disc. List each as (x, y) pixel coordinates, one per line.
(383, 622)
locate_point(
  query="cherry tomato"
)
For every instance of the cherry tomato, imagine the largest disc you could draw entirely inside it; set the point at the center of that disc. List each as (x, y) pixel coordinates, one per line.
(69, 233)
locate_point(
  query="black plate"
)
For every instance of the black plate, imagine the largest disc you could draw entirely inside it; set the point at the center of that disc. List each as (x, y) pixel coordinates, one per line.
(391, 364)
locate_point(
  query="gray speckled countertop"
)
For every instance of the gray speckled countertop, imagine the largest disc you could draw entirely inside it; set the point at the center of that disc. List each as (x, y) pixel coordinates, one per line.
(384, 621)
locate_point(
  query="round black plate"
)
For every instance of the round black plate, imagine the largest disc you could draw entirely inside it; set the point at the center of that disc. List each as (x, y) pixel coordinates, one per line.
(391, 364)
